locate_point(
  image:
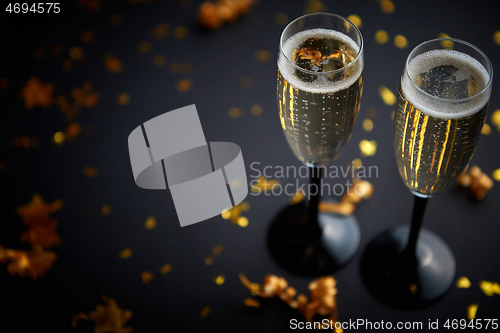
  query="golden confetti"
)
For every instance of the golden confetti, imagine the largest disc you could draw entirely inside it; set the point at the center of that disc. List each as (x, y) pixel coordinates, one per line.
(85, 97)
(297, 197)
(413, 288)
(381, 37)
(108, 318)
(205, 312)
(112, 64)
(357, 163)
(76, 53)
(400, 41)
(342, 208)
(447, 44)
(245, 82)
(249, 301)
(72, 131)
(496, 37)
(90, 172)
(219, 279)
(150, 222)
(368, 125)
(125, 253)
(37, 93)
(368, 148)
(147, 276)
(496, 175)
(184, 85)
(463, 283)
(34, 264)
(88, 36)
(263, 55)
(106, 209)
(37, 209)
(123, 99)
(67, 64)
(489, 288)
(281, 19)
(159, 60)
(256, 110)
(116, 19)
(495, 118)
(486, 130)
(356, 20)
(180, 32)
(144, 47)
(387, 95)
(387, 6)
(160, 31)
(40, 53)
(235, 113)
(471, 311)
(339, 330)
(58, 138)
(242, 222)
(313, 6)
(165, 269)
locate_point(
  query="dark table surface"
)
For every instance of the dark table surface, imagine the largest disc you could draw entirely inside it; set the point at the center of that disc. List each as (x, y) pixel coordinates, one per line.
(88, 265)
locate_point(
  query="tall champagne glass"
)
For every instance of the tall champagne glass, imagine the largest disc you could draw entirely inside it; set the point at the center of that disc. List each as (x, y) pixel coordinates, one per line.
(443, 99)
(319, 87)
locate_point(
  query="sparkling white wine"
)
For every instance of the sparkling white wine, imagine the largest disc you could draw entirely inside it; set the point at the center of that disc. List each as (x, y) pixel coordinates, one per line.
(436, 132)
(318, 109)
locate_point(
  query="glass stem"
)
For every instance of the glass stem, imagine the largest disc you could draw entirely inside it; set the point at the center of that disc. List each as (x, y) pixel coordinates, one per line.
(416, 225)
(314, 197)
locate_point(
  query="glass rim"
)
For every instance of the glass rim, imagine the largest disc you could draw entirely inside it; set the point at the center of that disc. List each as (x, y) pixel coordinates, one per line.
(355, 60)
(451, 100)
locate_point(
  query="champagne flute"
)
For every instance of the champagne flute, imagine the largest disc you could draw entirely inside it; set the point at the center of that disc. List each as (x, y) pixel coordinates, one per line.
(319, 87)
(443, 99)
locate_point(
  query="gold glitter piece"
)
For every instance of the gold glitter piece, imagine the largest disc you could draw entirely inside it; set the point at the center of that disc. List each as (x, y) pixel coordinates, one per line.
(58, 138)
(242, 221)
(281, 19)
(339, 330)
(313, 6)
(108, 317)
(413, 288)
(88, 36)
(253, 303)
(357, 163)
(226, 214)
(368, 125)
(180, 32)
(106, 209)
(123, 99)
(67, 64)
(90, 172)
(125, 253)
(355, 19)
(368, 148)
(381, 37)
(447, 44)
(256, 110)
(234, 213)
(184, 85)
(496, 175)
(76, 53)
(343, 208)
(245, 82)
(463, 283)
(495, 119)
(486, 130)
(165, 269)
(387, 6)
(116, 19)
(160, 31)
(150, 222)
(400, 41)
(234, 113)
(297, 197)
(219, 279)
(263, 55)
(147, 276)
(472, 310)
(159, 60)
(37, 93)
(112, 64)
(489, 288)
(144, 47)
(496, 37)
(205, 312)
(387, 95)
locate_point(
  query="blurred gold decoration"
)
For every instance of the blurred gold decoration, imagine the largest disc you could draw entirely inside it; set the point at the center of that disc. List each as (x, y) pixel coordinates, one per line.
(112, 64)
(496, 175)
(58, 49)
(150, 222)
(91, 5)
(125, 253)
(116, 19)
(205, 312)
(387, 95)
(245, 82)
(90, 172)
(144, 47)
(123, 99)
(76, 53)
(215, 253)
(489, 288)
(40, 53)
(463, 283)
(220, 280)
(212, 15)
(234, 214)
(34, 263)
(479, 182)
(41, 234)
(400, 41)
(37, 93)
(147, 276)
(486, 130)
(256, 110)
(25, 142)
(297, 197)
(184, 85)
(343, 208)
(356, 20)
(58, 138)
(368, 125)
(321, 300)
(281, 19)
(180, 32)
(88, 36)
(447, 44)
(235, 113)
(249, 301)
(242, 222)
(263, 55)
(38, 210)
(495, 118)
(387, 6)
(72, 131)
(471, 311)
(357, 163)
(106, 209)
(108, 318)
(313, 6)
(496, 37)
(68, 64)
(381, 37)
(159, 60)
(165, 269)
(160, 31)
(368, 147)
(263, 184)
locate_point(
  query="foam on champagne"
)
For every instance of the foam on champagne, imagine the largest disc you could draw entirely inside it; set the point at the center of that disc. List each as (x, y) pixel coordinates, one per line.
(438, 107)
(321, 85)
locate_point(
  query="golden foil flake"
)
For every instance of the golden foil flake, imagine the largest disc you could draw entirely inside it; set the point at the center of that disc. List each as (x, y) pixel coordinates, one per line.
(220, 280)
(368, 125)
(368, 148)
(165, 269)
(245, 82)
(242, 222)
(215, 253)
(159, 60)
(37, 93)
(108, 318)
(25, 142)
(392, 115)
(213, 15)
(150, 222)
(413, 288)
(250, 302)
(205, 312)
(381, 37)
(144, 47)
(112, 64)
(58, 49)
(90, 172)
(486, 130)
(355, 19)
(447, 44)
(161, 31)
(34, 264)
(76, 53)
(147, 276)
(479, 182)
(489, 288)
(105, 210)
(92, 6)
(496, 37)
(235, 113)
(297, 197)
(256, 110)
(87, 36)
(339, 330)
(184, 85)
(263, 184)
(72, 131)
(400, 41)
(495, 119)
(125, 253)
(177, 67)
(40, 53)
(116, 19)
(37, 209)
(85, 97)
(342, 208)
(357, 163)
(68, 64)
(180, 32)
(496, 175)
(263, 55)
(387, 95)
(234, 214)
(387, 6)
(41, 235)
(123, 99)
(463, 283)
(471, 311)
(281, 19)
(313, 6)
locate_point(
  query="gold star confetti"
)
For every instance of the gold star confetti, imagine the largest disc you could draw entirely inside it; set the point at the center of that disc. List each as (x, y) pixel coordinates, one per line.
(400, 41)
(205, 312)
(256, 110)
(381, 37)
(215, 253)
(125, 253)
(159, 60)
(486, 130)
(180, 32)
(387, 6)
(463, 283)
(235, 113)
(150, 222)
(85, 97)
(147, 276)
(165, 269)
(219, 279)
(123, 99)
(413, 288)
(250, 302)
(90, 172)
(160, 31)
(471, 311)
(368, 148)
(387, 95)
(88, 36)
(37, 209)
(489, 288)
(355, 19)
(263, 55)
(37, 93)
(447, 44)
(281, 19)
(496, 175)
(495, 118)
(76, 53)
(144, 47)
(368, 125)
(263, 184)
(313, 6)
(496, 37)
(245, 82)
(116, 19)
(106, 209)
(297, 197)
(184, 85)
(108, 318)
(112, 64)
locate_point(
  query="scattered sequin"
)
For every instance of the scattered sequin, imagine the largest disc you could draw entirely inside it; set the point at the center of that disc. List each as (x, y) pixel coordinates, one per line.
(496, 175)
(150, 222)
(471, 311)
(242, 222)
(387, 6)
(235, 113)
(147, 276)
(159, 60)
(368, 125)
(297, 197)
(165, 269)
(489, 288)
(447, 44)
(463, 283)
(355, 19)
(400, 41)
(112, 64)
(76, 53)
(486, 130)
(381, 37)
(37, 93)
(108, 317)
(160, 31)
(387, 95)
(368, 148)
(495, 119)
(220, 279)
(125, 253)
(205, 312)
(215, 253)
(496, 37)
(106, 209)
(249, 301)
(58, 138)
(313, 6)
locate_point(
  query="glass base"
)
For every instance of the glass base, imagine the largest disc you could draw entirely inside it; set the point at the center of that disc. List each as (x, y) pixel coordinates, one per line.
(306, 250)
(403, 281)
